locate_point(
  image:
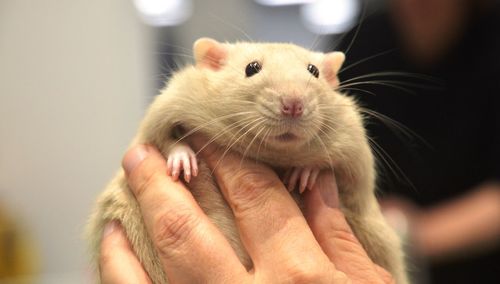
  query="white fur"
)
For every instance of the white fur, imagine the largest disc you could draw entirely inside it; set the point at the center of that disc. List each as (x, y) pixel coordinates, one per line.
(330, 134)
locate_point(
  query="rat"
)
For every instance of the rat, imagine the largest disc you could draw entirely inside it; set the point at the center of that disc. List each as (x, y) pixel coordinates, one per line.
(275, 103)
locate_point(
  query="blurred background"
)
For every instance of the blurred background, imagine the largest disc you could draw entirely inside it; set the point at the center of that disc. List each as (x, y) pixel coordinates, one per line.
(76, 77)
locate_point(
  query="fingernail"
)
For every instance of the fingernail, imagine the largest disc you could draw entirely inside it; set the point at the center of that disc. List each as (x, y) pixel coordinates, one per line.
(109, 228)
(134, 157)
(329, 191)
(302, 188)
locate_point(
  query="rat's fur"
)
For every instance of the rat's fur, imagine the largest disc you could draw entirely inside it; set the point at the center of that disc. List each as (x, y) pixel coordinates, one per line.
(215, 95)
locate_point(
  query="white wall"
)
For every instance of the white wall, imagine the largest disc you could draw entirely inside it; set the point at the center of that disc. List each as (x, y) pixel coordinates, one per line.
(73, 85)
(75, 78)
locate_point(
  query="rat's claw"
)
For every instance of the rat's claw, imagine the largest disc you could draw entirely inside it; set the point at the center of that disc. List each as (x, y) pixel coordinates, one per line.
(312, 178)
(292, 181)
(186, 164)
(194, 163)
(169, 165)
(304, 177)
(176, 168)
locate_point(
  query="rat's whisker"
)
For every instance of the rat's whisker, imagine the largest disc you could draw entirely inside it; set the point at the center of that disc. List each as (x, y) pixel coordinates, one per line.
(323, 145)
(211, 122)
(266, 135)
(252, 141)
(358, 28)
(356, 89)
(400, 74)
(175, 55)
(382, 83)
(217, 101)
(235, 27)
(316, 41)
(395, 125)
(329, 127)
(366, 59)
(223, 132)
(251, 125)
(380, 161)
(395, 83)
(391, 164)
(175, 46)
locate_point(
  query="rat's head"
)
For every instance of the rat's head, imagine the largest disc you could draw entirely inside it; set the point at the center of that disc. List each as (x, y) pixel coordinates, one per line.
(278, 97)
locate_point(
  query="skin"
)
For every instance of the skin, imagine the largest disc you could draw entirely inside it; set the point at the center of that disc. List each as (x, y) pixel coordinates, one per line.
(284, 245)
(427, 28)
(438, 234)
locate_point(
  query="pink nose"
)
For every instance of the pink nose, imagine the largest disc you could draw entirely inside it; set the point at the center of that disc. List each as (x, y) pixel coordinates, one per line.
(293, 107)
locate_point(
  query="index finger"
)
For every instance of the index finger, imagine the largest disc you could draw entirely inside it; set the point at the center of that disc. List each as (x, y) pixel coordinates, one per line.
(271, 225)
(190, 247)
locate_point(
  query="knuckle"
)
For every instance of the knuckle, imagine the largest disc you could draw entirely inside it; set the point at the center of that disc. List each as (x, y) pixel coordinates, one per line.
(307, 274)
(343, 239)
(341, 278)
(309, 269)
(334, 229)
(172, 229)
(347, 236)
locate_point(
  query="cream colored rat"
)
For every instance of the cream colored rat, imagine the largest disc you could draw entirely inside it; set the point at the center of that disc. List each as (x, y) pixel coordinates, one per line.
(274, 103)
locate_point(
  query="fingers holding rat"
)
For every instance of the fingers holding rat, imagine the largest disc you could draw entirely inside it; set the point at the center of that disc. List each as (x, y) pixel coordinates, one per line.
(190, 247)
(274, 231)
(272, 227)
(117, 261)
(330, 227)
(192, 250)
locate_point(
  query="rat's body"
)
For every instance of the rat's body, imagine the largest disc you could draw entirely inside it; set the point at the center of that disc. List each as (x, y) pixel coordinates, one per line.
(285, 116)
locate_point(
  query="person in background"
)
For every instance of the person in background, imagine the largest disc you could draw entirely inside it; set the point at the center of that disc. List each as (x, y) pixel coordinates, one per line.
(441, 184)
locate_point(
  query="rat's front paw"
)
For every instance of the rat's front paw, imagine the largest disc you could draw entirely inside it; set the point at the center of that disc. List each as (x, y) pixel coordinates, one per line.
(305, 176)
(182, 158)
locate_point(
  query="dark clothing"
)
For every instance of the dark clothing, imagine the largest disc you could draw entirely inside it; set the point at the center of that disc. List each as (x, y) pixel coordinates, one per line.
(460, 121)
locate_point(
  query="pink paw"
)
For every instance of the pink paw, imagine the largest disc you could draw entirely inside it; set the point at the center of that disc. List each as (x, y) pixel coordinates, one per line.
(306, 177)
(182, 158)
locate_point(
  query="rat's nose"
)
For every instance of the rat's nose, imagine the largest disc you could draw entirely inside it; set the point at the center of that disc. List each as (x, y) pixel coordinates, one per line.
(293, 107)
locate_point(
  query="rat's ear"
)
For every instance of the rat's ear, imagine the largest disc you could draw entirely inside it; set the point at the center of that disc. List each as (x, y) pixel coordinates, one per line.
(209, 53)
(331, 66)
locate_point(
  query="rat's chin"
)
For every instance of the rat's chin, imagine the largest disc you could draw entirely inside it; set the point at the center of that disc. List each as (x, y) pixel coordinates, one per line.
(286, 137)
(286, 140)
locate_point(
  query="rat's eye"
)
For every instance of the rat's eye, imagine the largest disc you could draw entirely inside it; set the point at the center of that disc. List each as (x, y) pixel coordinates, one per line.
(253, 68)
(313, 70)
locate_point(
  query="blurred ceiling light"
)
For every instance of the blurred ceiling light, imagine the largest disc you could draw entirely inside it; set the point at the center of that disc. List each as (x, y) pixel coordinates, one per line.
(164, 12)
(330, 16)
(283, 2)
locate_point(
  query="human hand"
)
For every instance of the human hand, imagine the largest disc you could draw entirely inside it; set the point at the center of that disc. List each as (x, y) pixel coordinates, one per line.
(401, 214)
(438, 234)
(284, 245)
